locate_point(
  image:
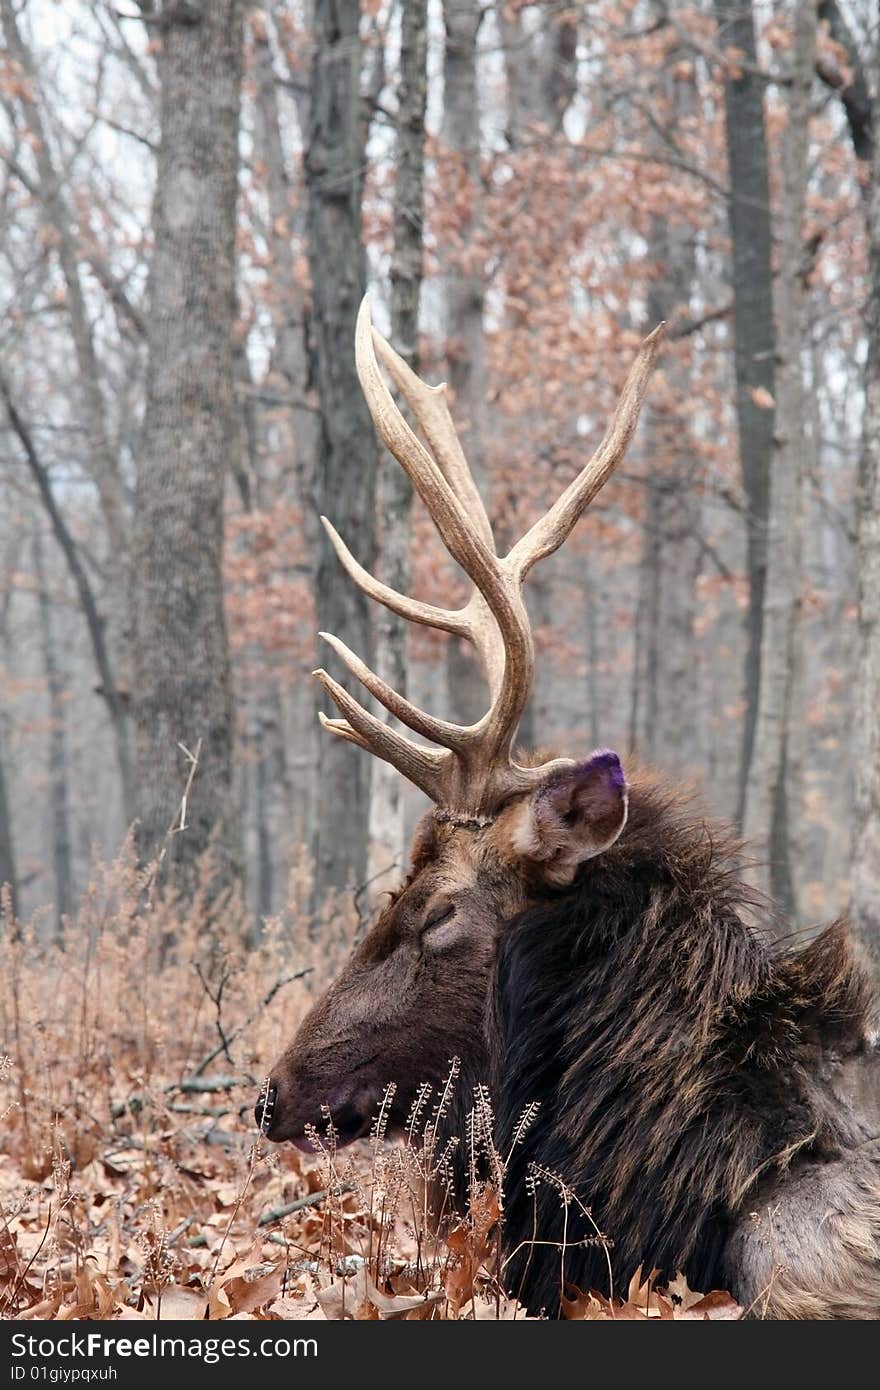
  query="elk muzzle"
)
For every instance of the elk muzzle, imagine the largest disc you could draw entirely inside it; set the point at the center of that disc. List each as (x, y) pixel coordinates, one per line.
(289, 1108)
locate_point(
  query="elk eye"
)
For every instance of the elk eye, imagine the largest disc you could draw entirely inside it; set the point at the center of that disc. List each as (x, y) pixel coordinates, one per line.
(439, 912)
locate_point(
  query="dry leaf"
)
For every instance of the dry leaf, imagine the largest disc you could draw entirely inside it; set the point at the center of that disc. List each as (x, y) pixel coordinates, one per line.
(218, 1304)
(472, 1244)
(45, 1311)
(296, 1309)
(713, 1307)
(585, 1306)
(629, 1312)
(246, 1295)
(94, 1297)
(497, 1310)
(645, 1301)
(338, 1300)
(640, 1291)
(359, 1299)
(664, 1307)
(190, 1305)
(399, 1305)
(252, 1257)
(681, 1295)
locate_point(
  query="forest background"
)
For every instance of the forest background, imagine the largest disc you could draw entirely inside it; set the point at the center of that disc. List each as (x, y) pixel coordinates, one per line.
(194, 198)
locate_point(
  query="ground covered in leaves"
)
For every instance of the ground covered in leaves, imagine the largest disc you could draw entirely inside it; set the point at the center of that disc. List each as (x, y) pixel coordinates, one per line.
(133, 1184)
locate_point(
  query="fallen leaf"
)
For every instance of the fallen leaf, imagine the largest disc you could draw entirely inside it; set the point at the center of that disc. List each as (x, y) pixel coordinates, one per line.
(297, 1309)
(45, 1311)
(189, 1305)
(346, 1298)
(472, 1244)
(497, 1310)
(629, 1312)
(398, 1305)
(716, 1306)
(585, 1306)
(218, 1304)
(681, 1295)
(245, 1294)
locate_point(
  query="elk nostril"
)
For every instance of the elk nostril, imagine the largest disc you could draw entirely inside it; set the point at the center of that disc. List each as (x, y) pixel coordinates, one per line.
(265, 1107)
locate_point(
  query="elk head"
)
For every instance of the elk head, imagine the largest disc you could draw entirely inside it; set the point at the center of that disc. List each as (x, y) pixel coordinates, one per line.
(414, 992)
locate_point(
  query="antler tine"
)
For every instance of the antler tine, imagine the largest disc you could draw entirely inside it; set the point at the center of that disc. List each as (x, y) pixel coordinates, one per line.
(456, 528)
(422, 766)
(431, 410)
(445, 619)
(437, 730)
(555, 526)
(343, 729)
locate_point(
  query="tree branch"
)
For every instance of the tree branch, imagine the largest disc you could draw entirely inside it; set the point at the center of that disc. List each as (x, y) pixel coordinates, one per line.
(302, 1203)
(688, 324)
(114, 697)
(264, 1003)
(855, 95)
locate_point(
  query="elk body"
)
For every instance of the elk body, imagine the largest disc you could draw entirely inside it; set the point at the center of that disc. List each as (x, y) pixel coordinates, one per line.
(585, 942)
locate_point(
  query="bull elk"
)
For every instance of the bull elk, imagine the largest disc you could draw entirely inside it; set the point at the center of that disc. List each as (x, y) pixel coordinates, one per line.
(585, 941)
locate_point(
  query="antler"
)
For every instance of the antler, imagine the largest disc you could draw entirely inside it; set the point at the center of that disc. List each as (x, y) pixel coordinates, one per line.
(470, 770)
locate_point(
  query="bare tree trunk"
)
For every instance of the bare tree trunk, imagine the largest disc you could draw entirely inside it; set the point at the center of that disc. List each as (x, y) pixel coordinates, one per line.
(345, 476)
(465, 293)
(264, 841)
(293, 435)
(8, 876)
(59, 798)
(595, 605)
(7, 853)
(865, 899)
(394, 491)
(768, 813)
(672, 519)
(662, 715)
(540, 69)
(183, 693)
(671, 565)
(755, 341)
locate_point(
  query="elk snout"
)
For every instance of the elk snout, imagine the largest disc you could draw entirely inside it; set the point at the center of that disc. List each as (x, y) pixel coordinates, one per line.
(287, 1107)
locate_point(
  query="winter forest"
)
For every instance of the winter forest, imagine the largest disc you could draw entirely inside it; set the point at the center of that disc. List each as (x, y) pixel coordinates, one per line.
(194, 197)
(526, 190)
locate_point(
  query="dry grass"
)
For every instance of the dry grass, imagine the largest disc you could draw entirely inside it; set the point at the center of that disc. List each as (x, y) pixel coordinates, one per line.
(132, 1180)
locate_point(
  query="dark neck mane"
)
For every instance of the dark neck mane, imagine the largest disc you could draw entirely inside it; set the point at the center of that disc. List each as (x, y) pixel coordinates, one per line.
(673, 1046)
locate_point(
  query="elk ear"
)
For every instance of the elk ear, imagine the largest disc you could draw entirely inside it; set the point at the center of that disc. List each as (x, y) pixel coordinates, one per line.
(574, 816)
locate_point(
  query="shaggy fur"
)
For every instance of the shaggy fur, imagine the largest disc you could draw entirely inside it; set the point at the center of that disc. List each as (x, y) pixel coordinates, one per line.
(676, 1055)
